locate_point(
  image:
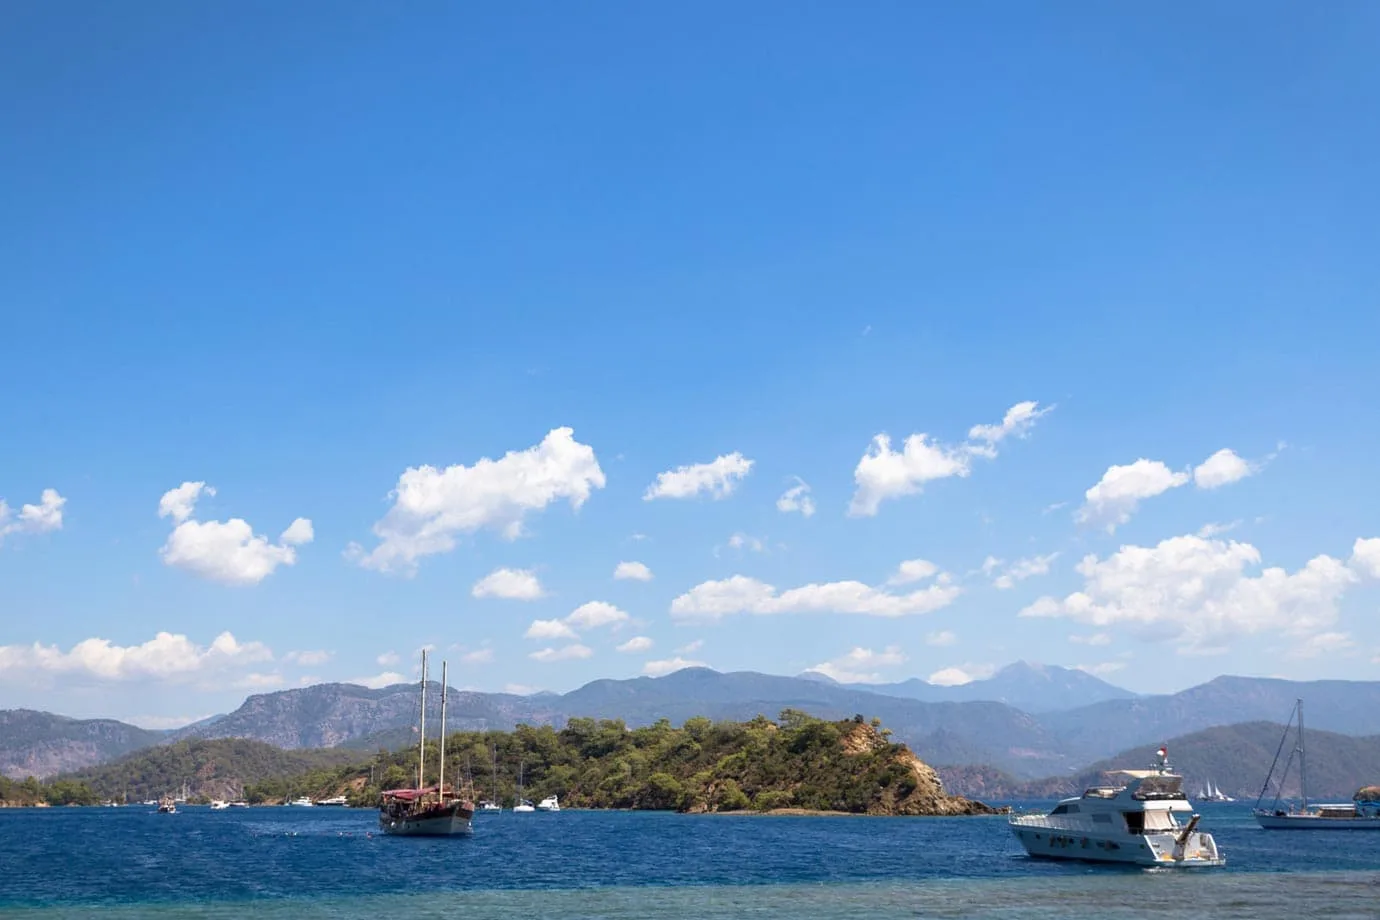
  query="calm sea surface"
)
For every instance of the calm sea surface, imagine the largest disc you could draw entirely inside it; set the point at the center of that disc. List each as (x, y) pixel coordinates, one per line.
(327, 863)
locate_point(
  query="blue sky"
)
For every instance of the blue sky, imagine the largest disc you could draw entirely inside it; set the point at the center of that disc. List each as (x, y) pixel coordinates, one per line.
(292, 252)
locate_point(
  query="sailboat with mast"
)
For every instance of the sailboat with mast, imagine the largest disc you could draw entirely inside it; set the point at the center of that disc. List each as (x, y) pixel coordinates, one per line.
(1362, 813)
(493, 804)
(428, 811)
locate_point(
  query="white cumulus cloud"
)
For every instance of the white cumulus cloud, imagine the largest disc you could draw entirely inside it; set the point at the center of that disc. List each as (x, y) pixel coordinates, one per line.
(669, 665)
(511, 584)
(884, 473)
(1201, 593)
(309, 658)
(797, 498)
(712, 600)
(167, 656)
(432, 506)
(566, 653)
(1115, 497)
(1365, 556)
(1022, 569)
(718, 478)
(1018, 421)
(635, 644)
(225, 551)
(1325, 643)
(632, 571)
(860, 666)
(549, 629)
(913, 570)
(589, 615)
(388, 659)
(1222, 468)
(959, 675)
(595, 614)
(379, 681)
(44, 517)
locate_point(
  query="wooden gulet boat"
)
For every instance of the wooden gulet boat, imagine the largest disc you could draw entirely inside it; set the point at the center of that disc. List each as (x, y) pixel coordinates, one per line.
(428, 811)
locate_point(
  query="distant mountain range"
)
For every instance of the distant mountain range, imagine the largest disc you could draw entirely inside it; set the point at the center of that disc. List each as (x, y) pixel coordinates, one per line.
(1234, 758)
(1026, 721)
(1029, 687)
(42, 744)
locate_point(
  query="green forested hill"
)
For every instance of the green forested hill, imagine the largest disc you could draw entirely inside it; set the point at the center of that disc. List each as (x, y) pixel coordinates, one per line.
(796, 762)
(216, 769)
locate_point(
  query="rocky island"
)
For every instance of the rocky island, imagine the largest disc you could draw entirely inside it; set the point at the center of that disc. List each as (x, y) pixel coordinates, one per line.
(794, 764)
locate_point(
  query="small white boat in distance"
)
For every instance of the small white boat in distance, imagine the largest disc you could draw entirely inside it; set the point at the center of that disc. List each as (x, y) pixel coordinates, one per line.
(335, 801)
(239, 804)
(303, 801)
(523, 806)
(550, 803)
(218, 805)
(490, 806)
(1132, 820)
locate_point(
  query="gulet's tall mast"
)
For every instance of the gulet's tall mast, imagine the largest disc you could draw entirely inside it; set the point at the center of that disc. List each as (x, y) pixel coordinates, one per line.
(421, 751)
(441, 782)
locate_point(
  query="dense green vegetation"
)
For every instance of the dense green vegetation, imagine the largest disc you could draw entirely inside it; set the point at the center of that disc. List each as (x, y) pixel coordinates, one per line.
(57, 792)
(798, 762)
(210, 769)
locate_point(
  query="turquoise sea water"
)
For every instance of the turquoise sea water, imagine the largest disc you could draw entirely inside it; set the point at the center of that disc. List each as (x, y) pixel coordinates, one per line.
(299, 862)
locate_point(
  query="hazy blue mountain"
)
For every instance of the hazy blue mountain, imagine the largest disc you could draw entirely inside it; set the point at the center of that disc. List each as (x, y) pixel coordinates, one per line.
(1035, 738)
(1235, 758)
(42, 744)
(1030, 687)
(1347, 707)
(327, 715)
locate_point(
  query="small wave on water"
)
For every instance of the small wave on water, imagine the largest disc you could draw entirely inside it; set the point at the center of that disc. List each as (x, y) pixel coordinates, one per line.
(126, 863)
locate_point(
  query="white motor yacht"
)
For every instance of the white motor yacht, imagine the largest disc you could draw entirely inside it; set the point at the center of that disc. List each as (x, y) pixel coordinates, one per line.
(550, 803)
(1133, 819)
(335, 801)
(302, 801)
(523, 806)
(218, 805)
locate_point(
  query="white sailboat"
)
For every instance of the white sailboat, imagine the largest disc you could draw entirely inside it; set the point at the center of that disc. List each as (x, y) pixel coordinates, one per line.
(493, 803)
(431, 811)
(1362, 813)
(523, 806)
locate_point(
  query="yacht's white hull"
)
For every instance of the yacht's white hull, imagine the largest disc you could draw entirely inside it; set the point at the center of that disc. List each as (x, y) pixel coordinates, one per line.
(1316, 823)
(1044, 842)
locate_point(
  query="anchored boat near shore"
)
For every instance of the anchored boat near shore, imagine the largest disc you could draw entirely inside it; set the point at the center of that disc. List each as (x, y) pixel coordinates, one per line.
(431, 811)
(1133, 819)
(1362, 813)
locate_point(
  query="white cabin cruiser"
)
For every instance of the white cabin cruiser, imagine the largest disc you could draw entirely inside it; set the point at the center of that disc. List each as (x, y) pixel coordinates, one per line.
(1132, 820)
(550, 803)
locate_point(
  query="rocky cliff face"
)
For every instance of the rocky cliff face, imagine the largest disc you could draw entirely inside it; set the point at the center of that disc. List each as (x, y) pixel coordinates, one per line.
(41, 744)
(926, 797)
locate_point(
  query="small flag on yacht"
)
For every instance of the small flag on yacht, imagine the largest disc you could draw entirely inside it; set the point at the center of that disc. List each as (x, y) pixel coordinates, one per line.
(1163, 751)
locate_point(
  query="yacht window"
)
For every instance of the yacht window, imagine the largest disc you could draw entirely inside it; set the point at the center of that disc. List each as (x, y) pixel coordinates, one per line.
(1060, 810)
(1102, 819)
(1159, 821)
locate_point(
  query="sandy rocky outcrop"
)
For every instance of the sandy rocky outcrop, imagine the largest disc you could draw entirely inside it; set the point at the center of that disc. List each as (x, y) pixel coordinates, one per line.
(928, 798)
